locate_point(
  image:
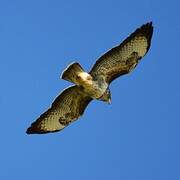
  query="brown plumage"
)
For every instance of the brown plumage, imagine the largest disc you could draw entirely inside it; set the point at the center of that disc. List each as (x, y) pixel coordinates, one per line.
(71, 103)
(123, 58)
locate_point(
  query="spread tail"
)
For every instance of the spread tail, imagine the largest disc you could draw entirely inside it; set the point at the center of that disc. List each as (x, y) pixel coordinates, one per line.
(71, 72)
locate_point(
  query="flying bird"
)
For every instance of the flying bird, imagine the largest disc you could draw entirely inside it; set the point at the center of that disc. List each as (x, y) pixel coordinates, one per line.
(72, 102)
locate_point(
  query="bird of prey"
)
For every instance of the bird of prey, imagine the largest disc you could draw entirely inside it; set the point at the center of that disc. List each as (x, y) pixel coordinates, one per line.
(72, 102)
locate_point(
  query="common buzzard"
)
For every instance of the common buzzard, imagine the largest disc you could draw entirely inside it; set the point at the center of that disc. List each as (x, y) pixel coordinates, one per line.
(71, 103)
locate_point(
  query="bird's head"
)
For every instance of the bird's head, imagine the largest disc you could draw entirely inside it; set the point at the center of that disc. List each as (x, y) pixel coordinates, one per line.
(106, 96)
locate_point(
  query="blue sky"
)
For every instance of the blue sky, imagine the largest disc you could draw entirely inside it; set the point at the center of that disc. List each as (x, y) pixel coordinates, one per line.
(136, 137)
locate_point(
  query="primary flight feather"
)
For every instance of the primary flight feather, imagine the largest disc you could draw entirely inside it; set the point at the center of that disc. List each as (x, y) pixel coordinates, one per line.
(71, 103)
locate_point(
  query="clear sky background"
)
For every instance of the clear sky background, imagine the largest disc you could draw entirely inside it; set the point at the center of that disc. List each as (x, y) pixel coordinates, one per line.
(134, 138)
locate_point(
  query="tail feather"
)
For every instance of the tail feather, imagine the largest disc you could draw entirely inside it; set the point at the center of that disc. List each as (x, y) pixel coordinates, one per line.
(71, 72)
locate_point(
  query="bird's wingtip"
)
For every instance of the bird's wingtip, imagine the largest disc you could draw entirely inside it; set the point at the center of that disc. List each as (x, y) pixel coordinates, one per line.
(29, 131)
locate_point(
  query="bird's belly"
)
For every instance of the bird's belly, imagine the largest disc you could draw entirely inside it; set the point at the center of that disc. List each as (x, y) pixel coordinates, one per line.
(94, 90)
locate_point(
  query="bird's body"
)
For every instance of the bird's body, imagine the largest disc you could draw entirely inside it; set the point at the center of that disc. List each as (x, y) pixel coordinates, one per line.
(71, 103)
(95, 87)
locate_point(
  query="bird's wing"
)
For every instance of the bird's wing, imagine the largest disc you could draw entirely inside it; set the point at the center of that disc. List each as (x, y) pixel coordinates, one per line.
(66, 108)
(123, 58)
